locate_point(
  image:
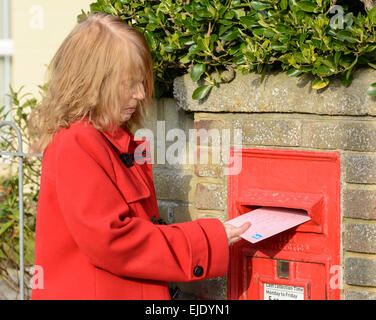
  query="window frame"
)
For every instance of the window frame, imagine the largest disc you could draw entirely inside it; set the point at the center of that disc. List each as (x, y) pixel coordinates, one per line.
(6, 48)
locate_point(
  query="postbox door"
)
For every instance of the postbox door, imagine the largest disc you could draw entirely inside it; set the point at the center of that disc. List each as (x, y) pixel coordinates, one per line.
(272, 279)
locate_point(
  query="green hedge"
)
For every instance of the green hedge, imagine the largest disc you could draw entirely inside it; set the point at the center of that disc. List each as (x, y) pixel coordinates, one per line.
(218, 36)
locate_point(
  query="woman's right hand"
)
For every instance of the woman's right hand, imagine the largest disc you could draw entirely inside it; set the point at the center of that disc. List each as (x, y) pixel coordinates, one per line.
(233, 233)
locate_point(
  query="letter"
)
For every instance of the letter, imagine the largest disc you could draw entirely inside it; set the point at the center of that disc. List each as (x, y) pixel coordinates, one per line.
(337, 21)
(211, 308)
(192, 310)
(148, 310)
(179, 146)
(335, 281)
(202, 306)
(192, 147)
(161, 143)
(175, 310)
(145, 146)
(220, 309)
(204, 135)
(37, 280)
(232, 156)
(37, 17)
(158, 310)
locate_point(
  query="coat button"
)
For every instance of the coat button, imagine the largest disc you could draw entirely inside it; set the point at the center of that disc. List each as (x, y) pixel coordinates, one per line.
(198, 271)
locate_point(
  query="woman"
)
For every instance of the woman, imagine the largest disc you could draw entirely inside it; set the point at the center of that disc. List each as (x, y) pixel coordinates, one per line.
(97, 232)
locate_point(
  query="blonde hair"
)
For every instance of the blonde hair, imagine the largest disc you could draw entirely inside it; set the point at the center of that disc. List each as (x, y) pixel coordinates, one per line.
(87, 76)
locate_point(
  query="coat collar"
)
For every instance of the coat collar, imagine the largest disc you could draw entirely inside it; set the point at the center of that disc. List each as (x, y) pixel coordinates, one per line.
(120, 137)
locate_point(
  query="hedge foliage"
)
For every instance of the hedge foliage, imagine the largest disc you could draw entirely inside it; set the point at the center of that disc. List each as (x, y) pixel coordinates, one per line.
(206, 36)
(223, 36)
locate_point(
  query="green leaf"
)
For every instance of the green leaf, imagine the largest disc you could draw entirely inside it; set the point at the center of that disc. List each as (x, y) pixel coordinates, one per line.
(293, 5)
(371, 91)
(337, 56)
(372, 15)
(293, 72)
(258, 5)
(283, 4)
(346, 78)
(197, 71)
(6, 226)
(324, 71)
(249, 22)
(278, 46)
(184, 59)
(307, 6)
(345, 35)
(230, 35)
(259, 31)
(153, 44)
(320, 83)
(201, 92)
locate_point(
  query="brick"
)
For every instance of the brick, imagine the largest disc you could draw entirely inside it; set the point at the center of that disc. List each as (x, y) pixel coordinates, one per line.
(360, 204)
(209, 131)
(276, 132)
(172, 185)
(209, 162)
(360, 237)
(210, 196)
(359, 168)
(208, 170)
(344, 134)
(360, 271)
(360, 295)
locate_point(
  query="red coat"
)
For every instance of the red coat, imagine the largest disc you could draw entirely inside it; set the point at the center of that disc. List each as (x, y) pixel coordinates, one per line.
(95, 236)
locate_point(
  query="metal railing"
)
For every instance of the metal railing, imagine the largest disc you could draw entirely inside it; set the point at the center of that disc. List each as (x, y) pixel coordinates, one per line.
(20, 156)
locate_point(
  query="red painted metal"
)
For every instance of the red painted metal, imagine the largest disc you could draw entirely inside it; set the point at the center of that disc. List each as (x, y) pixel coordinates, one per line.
(290, 179)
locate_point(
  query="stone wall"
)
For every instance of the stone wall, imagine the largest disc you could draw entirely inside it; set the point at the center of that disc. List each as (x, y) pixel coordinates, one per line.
(285, 113)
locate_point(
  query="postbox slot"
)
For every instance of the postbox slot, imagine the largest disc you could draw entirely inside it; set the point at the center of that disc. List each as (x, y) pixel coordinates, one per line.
(283, 269)
(311, 204)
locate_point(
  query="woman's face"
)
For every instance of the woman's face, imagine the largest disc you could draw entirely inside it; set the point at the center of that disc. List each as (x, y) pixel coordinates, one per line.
(133, 93)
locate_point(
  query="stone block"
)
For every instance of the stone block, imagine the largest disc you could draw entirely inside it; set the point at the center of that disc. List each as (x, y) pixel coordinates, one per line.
(360, 295)
(172, 184)
(359, 204)
(269, 131)
(210, 196)
(359, 168)
(340, 134)
(360, 271)
(360, 237)
(280, 93)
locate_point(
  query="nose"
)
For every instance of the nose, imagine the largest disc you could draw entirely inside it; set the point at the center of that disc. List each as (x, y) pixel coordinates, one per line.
(139, 92)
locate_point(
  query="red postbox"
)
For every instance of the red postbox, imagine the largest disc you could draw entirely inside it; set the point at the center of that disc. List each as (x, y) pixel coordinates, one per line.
(298, 263)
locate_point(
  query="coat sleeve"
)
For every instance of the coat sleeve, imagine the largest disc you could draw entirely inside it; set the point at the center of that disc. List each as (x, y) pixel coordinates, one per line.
(99, 221)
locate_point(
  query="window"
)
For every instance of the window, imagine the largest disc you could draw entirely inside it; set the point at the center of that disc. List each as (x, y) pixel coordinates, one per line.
(6, 51)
